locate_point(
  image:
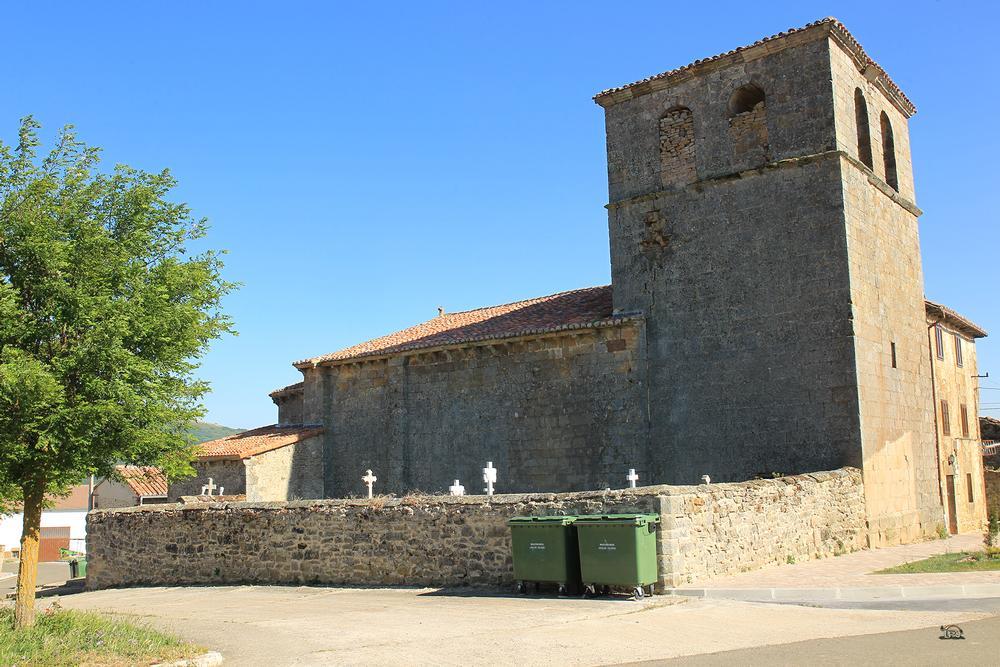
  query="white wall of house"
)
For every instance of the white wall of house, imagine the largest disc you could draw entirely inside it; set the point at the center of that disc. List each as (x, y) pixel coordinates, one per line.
(10, 527)
(112, 493)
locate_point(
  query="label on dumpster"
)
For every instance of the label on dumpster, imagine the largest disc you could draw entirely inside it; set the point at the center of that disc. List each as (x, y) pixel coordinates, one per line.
(607, 546)
(536, 546)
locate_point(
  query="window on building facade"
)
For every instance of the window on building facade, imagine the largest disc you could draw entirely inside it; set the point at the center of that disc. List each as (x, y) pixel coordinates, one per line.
(864, 134)
(968, 482)
(945, 418)
(892, 350)
(958, 350)
(889, 153)
(965, 421)
(939, 341)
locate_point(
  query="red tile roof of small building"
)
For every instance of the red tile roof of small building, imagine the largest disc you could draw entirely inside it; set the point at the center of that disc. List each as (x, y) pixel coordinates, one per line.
(144, 481)
(833, 25)
(256, 441)
(582, 308)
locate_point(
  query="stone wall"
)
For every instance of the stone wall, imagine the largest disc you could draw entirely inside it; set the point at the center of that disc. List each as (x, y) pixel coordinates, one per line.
(294, 472)
(705, 531)
(992, 477)
(226, 473)
(555, 413)
(677, 147)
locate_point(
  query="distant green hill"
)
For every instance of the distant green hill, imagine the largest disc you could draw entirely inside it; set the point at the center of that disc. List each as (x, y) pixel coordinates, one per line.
(205, 431)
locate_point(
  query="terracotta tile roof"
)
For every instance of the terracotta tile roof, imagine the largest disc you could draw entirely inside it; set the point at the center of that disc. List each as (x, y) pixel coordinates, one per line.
(577, 309)
(835, 27)
(257, 441)
(290, 389)
(143, 480)
(950, 317)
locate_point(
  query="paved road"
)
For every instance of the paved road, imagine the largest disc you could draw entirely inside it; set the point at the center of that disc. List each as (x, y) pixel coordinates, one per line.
(49, 574)
(910, 648)
(348, 626)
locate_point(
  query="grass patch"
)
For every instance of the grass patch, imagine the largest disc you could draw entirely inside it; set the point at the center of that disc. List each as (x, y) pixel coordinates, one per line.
(63, 637)
(964, 561)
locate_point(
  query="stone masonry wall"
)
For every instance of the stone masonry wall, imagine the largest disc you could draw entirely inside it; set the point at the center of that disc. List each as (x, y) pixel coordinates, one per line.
(288, 473)
(705, 531)
(677, 164)
(992, 492)
(228, 474)
(557, 413)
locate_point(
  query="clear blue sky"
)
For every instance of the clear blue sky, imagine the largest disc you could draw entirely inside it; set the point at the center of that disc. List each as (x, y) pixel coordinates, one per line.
(364, 165)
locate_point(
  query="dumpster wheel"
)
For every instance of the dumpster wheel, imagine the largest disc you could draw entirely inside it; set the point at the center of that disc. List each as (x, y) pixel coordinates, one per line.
(520, 588)
(639, 592)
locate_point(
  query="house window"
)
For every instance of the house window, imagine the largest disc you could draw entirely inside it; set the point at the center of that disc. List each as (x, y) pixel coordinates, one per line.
(968, 481)
(864, 134)
(939, 341)
(892, 350)
(958, 350)
(889, 153)
(965, 420)
(945, 418)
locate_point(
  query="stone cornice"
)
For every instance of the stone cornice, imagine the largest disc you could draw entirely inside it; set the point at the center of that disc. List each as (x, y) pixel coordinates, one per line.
(828, 27)
(777, 164)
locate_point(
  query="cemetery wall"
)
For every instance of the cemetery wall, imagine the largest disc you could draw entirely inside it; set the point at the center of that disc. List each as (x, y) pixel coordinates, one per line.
(705, 531)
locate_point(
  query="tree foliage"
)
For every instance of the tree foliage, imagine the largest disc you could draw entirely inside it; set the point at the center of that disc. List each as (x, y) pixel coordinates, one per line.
(103, 315)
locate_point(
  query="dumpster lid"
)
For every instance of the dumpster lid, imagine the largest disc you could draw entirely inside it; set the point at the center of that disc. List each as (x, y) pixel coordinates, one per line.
(529, 520)
(619, 519)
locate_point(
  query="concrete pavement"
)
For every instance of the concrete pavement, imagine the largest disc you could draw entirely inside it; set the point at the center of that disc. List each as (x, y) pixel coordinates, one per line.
(350, 626)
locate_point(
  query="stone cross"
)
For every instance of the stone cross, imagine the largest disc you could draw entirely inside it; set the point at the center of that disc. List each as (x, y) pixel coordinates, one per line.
(490, 477)
(207, 489)
(632, 477)
(457, 489)
(369, 479)
(705, 479)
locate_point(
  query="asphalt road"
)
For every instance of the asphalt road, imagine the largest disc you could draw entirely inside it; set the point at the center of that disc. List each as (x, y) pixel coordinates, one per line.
(981, 646)
(49, 574)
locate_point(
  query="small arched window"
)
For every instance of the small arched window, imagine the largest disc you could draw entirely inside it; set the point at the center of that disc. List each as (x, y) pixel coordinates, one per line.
(745, 98)
(864, 134)
(889, 153)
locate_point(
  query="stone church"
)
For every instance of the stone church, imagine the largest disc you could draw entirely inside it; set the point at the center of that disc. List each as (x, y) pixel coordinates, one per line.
(766, 314)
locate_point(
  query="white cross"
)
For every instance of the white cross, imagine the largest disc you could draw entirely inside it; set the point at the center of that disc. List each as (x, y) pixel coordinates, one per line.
(490, 477)
(457, 489)
(369, 479)
(632, 477)
(207, 489)
(705, 479)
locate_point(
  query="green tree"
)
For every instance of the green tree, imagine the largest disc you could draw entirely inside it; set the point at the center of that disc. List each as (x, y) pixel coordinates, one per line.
(103, 315)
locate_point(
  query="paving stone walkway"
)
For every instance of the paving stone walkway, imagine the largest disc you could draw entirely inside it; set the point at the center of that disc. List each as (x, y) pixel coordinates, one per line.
(852, 575)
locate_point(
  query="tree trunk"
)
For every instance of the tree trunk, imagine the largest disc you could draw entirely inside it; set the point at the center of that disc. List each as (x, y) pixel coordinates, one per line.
(27, 571)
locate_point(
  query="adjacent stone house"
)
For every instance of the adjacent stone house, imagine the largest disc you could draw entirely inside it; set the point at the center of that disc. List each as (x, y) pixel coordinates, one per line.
(269, 463)
(766, 314)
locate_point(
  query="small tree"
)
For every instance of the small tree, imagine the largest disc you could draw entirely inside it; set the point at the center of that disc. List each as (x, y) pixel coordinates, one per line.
(102, 318)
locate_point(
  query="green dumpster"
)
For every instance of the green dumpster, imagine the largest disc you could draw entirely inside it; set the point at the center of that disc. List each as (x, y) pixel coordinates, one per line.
(77, 568)
(618, 550)
(545, 551)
